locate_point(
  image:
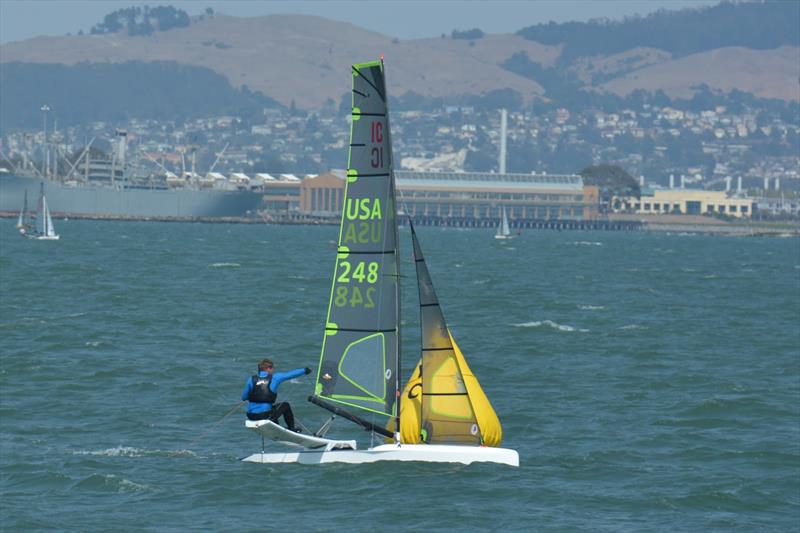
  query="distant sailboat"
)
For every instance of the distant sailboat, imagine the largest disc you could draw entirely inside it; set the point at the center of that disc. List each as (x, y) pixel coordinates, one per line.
(442, 414)
(44, 230)
(25, 219)
(503, 231)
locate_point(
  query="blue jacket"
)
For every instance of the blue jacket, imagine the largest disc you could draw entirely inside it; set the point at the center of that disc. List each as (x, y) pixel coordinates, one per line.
(277, 379)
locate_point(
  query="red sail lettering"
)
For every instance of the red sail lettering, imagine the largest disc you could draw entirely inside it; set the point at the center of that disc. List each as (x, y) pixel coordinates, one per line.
(377, 132)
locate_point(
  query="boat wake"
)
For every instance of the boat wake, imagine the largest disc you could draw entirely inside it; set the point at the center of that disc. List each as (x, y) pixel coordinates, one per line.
(551, 324)
(129, 451)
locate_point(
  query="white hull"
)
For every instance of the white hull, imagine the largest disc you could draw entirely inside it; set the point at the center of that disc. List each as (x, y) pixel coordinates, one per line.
(44, 237)
(426, 453)
(273, 431)
(503, 237)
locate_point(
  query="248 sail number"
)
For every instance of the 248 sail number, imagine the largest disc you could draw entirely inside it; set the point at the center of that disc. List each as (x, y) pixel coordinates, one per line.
(354, 294)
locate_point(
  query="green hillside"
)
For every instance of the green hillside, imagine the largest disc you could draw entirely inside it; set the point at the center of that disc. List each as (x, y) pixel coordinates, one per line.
(758, 25)
(88, 92)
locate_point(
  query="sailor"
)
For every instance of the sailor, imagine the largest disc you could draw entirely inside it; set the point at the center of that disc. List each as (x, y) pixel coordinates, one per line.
(261, 391)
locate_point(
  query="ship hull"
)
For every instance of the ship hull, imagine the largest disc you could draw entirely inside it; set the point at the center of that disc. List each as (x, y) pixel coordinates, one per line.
(109, 202)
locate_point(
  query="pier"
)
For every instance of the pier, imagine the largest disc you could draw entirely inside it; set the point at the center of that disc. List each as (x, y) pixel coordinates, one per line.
(675, 224)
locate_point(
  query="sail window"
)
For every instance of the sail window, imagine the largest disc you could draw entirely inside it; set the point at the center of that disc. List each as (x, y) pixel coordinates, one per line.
(358, 365)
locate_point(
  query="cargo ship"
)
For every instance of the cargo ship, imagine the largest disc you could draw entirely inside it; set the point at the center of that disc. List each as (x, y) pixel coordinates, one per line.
(99, 185)
(128, 200)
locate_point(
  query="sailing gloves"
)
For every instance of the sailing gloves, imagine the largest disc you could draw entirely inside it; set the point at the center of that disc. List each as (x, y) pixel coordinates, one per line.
(308, 370)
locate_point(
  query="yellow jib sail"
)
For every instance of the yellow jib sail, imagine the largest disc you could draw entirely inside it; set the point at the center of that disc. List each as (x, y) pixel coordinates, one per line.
(491, 431)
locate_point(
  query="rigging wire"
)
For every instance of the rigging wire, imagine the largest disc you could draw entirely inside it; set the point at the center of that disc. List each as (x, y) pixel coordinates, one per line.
(213, 426)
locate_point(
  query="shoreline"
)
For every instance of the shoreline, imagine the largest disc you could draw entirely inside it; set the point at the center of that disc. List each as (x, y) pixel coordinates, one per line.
(670, 224)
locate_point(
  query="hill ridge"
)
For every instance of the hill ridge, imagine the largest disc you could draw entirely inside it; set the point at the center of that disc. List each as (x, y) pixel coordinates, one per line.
(298, 59)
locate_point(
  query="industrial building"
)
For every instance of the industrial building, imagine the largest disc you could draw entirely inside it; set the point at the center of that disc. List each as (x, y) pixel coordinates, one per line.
(685, 201)
(479, 195)
(467, 196)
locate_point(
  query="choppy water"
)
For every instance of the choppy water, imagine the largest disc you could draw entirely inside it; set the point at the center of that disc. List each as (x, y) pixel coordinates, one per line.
(650, 382)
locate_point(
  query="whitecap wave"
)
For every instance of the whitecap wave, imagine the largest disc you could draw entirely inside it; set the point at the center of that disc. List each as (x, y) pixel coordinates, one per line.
(126, 485)
(592, 307)
(119, 451)
(93, 344)
(586, 243)
(551, 324)
(633, 326)
(224, 265)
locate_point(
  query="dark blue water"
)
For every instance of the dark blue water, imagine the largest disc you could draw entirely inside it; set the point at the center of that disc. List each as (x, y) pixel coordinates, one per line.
(650, 382)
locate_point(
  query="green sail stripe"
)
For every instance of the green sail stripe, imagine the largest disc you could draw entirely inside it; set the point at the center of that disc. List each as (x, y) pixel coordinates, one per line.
(363, 398)
(357, 385)
(368, 64)
(333, 399)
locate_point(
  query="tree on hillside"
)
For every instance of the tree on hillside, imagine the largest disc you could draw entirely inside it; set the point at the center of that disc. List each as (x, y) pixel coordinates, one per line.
(680, 32)
(142, 21)
(467, 35)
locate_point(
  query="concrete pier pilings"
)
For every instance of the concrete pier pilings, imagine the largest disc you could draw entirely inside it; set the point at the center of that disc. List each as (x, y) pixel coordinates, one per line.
(527, 224)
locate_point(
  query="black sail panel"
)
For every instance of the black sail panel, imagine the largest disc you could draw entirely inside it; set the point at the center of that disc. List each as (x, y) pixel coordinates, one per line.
(447, 414)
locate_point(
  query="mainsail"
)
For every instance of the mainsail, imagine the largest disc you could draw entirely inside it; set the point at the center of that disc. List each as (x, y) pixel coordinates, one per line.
(25, 216)
(44, 221)
(41, 214)
(503, 230)
(49, 230)
(360, 350)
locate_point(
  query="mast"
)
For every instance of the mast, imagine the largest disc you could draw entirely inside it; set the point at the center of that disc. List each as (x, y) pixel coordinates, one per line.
(398, 366)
